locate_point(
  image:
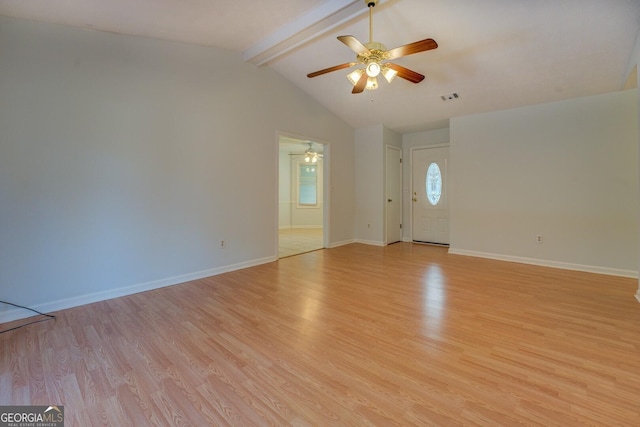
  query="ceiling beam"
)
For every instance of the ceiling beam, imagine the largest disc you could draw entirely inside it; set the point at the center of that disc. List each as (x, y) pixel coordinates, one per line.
(315, 23)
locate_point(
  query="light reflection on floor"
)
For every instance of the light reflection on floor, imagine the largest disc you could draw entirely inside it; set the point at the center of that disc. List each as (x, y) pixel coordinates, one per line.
(435, 298)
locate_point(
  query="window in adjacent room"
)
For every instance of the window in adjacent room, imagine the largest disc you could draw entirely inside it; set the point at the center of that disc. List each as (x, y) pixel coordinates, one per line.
(307, 185)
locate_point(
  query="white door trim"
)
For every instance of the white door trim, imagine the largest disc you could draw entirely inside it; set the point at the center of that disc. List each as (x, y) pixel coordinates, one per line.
(386, 195)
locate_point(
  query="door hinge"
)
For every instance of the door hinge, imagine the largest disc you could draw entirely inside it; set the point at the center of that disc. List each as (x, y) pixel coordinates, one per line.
(400, 159)
(400, 225)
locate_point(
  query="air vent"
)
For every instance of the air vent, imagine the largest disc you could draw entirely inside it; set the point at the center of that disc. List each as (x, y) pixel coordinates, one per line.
(450, 97)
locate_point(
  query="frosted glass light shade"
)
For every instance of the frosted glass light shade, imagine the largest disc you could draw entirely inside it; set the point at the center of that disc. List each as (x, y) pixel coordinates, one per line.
(355, 75)
(372, 83)
(389, 74)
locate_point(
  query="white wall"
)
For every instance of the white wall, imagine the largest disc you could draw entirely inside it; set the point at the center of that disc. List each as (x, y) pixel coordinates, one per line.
(566, 170)
(391, 138)
(370, 146)
(409, 141)
(632, 71)
(124, 161)
(369, 168)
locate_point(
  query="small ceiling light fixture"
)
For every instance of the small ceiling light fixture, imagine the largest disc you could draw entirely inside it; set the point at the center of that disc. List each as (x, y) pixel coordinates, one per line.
(373, 69)
(355, 75)
(311, 156)
(388, 73)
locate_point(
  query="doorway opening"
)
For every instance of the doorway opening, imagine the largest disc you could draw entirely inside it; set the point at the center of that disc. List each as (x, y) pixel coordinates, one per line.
(301, 196)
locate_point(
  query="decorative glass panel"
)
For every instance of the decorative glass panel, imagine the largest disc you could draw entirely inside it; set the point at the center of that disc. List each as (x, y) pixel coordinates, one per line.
(434, 184)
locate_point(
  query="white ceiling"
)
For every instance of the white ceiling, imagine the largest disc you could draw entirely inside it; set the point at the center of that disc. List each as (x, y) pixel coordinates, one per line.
(495, 54)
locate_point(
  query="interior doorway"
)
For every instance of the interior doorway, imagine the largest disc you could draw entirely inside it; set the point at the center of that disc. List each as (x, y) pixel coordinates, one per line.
(301, 196)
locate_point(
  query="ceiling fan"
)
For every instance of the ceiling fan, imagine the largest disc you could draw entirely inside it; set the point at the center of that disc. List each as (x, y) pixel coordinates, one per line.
(310, 155)
(373, 57)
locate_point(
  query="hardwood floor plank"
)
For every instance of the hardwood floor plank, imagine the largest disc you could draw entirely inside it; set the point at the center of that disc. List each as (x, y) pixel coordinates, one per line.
(356, 335)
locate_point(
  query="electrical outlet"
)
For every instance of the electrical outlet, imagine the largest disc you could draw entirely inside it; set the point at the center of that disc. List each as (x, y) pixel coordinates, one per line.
(539, 238)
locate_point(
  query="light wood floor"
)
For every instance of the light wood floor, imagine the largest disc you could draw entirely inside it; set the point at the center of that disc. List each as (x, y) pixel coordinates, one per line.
(294, 241)
(356, 335)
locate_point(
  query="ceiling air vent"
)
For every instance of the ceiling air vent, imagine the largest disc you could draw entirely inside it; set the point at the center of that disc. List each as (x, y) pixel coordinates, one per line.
(450, 97)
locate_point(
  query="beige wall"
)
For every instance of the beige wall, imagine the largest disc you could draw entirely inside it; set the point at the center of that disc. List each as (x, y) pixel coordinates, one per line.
(124, 162)
(566, 170)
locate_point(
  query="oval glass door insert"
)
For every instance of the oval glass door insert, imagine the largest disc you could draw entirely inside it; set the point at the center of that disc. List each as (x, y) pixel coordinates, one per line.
(434, 184)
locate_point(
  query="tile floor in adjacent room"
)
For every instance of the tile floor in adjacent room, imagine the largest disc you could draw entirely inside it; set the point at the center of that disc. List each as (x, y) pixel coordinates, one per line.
(293, 241)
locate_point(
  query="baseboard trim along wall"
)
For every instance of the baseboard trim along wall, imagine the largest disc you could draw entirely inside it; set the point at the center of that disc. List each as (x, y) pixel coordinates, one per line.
(17, 314)
(370, 242)
(342, 243)
(546, 263)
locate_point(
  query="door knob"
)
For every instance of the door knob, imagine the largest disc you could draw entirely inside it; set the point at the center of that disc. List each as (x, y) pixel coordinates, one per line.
(415, 200)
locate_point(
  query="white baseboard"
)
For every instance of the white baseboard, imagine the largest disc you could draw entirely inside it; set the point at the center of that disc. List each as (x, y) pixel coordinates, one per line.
(370, 242)
(18, 313)
(342, 243)
(638, 295)
(546, 263)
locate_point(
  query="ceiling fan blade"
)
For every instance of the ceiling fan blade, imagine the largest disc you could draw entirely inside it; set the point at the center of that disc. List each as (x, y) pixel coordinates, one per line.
(406, 73)
(355, 45)
(362, 83)
(330, 69)
(411, 48)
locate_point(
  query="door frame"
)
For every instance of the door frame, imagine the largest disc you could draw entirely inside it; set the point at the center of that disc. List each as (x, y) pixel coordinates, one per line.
(386, 195)
(326, 185)
(411, 150)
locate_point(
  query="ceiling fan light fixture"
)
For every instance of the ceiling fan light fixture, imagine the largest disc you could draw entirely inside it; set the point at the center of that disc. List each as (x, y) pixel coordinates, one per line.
(373, 69)
(311, 156)
(372, 83)
(372, 57)
(355, 75)
(389, 73)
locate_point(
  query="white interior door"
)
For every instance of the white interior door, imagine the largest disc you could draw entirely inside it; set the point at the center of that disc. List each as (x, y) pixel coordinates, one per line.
(393, 192)
(430, 205)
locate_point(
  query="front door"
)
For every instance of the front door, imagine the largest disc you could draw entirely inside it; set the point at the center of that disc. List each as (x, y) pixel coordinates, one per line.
(430, 210)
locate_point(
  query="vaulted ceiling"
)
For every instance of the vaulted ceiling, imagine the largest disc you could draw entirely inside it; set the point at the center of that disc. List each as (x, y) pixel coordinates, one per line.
(494, 54)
